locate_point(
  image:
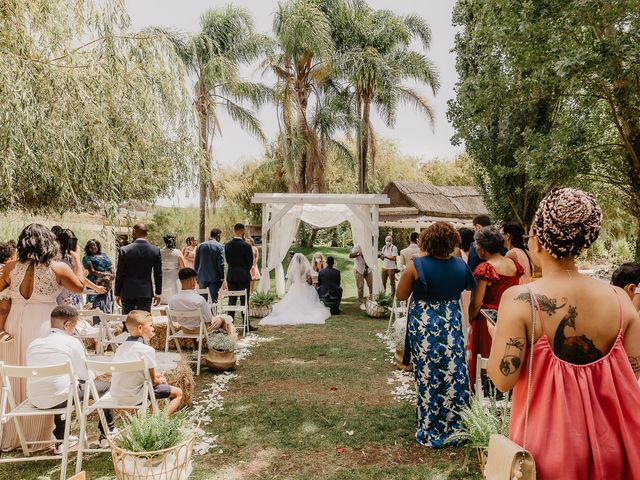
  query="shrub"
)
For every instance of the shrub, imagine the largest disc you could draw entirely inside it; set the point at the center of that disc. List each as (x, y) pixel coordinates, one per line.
(383, 299)
(259, 299)
(480, 421)
(145, 432)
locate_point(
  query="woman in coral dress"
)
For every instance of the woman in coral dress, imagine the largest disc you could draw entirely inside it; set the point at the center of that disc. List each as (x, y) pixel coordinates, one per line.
(35, 281)
(493, 276)
(583, 414)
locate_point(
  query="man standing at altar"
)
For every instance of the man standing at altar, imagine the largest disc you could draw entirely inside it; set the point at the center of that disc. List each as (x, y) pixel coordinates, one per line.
(239, 257)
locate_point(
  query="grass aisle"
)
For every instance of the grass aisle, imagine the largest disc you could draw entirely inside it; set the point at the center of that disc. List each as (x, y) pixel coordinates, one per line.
(314, 403)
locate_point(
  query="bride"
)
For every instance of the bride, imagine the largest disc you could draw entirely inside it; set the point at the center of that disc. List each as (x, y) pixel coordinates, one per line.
(301, 304)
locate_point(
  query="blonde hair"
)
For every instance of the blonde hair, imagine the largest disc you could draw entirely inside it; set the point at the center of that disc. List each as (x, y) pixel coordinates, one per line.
(136, 318)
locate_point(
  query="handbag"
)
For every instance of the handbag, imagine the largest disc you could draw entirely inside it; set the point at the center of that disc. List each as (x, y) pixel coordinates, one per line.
(506, 460)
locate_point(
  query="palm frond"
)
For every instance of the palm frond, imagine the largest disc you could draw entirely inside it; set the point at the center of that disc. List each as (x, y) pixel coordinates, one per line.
(418, 27)
(245, 118)
(410, 96)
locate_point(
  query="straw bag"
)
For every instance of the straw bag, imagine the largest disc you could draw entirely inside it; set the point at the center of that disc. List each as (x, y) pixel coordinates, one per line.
(506, 460)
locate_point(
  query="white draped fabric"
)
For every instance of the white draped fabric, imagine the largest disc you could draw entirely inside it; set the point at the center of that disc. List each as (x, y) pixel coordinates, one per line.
(283, 232)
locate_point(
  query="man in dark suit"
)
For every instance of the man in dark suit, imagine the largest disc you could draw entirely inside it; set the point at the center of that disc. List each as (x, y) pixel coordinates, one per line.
(329, 289)
(239, 257)
(479, 221)
(209, 264)
(133, 287)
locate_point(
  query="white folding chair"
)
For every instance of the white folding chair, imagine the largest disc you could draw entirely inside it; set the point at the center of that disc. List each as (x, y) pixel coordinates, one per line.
(108, 335)
(95, 369)
(159, 310)
(10, 411)
(399, 310)
(242, 296)
(205, 292)
(176, 335)
(86, 331)
(481, 364)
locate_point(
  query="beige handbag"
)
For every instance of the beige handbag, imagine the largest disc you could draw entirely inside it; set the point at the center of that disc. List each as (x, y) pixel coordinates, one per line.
(506, 460)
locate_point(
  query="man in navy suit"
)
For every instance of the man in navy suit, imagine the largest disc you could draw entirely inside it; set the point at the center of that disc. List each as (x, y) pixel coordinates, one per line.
(209, 264)
(239, 256)
(133, 287)
(329, 289)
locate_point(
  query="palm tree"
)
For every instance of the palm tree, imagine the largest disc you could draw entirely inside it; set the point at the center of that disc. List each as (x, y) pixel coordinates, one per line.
(375, 59)
(227, 40)
(301, 66)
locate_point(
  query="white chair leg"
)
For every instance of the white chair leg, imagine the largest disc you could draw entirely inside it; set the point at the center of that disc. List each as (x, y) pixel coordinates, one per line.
(166, 338)
(199, 355)
(82, 440)
(65, 445)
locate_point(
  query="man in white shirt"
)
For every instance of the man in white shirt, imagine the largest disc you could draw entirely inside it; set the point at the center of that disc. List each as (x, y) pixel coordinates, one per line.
(59, 346)
(128, 387)
(388, 256)
(413, 250)
(362, 272)
(186, 299)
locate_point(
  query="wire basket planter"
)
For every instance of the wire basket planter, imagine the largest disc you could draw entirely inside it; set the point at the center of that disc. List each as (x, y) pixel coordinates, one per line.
(376, 311)
(172, 463)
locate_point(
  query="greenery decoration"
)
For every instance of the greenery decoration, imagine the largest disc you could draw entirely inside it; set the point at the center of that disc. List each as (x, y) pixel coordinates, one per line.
(480, 420)
(150, 432)
(383, 299)
(258, 299)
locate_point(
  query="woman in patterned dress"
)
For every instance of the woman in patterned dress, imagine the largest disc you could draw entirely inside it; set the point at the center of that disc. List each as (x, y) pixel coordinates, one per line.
(189, 252)
(435, 335)
(35, 281)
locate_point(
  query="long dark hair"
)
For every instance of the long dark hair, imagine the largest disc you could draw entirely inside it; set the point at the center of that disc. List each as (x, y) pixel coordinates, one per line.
(37, 244)
(64, 237)
(516, 230)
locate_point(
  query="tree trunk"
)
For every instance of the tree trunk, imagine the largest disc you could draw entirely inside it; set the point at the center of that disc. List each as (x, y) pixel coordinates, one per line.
(311, 239)
(203, 118)
(366, 109)
(361, 181)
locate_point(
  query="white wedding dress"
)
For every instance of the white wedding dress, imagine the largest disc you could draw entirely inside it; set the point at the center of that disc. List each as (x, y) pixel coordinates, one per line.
(301, 304)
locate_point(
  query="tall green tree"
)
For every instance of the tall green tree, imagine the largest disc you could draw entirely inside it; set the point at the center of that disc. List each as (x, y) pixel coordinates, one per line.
(375, 58)
(302, 64)
(226, 41)
(549, 94)
(93, 114)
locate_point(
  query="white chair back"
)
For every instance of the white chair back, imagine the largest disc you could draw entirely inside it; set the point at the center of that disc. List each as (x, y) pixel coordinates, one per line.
(204, 292)
(172, 334)
(242, 306)
(9, 410)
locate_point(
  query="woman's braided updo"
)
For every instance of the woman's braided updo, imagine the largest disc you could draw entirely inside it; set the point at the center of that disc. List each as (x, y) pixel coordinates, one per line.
(568, 220)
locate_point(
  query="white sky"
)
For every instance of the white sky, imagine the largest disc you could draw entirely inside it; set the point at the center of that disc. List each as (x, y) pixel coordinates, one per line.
(412, 132)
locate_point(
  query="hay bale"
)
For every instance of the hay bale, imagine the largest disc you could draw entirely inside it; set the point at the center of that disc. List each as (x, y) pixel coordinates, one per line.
(160, 336)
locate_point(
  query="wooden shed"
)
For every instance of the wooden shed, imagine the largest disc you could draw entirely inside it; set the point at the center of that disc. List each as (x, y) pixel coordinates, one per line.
(418, 205)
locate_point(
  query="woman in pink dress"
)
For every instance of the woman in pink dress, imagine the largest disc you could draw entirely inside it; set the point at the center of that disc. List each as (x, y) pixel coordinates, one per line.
(34, 281)
(255, 271)
(189, 252)
(584, 404)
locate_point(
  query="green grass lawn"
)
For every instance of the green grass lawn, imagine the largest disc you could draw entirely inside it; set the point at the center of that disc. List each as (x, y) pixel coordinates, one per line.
(313, 403)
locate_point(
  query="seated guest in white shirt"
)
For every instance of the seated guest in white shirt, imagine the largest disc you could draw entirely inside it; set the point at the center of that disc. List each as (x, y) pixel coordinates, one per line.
(59, 346)
(186, 299)
(128, 387)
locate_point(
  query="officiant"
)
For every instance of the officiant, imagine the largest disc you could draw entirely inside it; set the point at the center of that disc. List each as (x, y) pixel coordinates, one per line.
(329, 289)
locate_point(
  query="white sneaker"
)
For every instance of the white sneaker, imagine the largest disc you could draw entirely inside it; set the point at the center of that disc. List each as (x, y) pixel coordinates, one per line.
(363, 306)
(59, 448)
(104, 443)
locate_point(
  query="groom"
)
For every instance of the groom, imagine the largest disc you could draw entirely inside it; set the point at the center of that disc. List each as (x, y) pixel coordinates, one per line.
(239, 257)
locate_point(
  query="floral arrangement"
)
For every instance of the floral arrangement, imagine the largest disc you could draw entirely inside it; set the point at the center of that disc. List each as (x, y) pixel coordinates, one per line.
(222, 342)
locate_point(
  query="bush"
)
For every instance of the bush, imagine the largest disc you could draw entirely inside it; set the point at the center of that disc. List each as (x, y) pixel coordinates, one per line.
(145, 432)
(383, 299)
(480, 421)
(259, 299)
(222, 342)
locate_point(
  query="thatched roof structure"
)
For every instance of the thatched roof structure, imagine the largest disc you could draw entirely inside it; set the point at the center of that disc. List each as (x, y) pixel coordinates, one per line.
(415, 204)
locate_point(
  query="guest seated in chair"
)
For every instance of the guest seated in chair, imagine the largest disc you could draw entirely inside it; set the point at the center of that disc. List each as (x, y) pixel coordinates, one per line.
(56, 347)
(329, 289)
(187, 299)
(128, 387)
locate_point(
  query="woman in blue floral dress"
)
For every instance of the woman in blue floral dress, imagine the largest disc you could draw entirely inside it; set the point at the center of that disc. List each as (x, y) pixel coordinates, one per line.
(100, 269)
(434, 333)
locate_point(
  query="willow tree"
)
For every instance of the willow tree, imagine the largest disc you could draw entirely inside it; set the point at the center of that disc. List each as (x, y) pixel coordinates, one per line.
(301, 64)
(375, 58)
(227, 40)
(92, 114)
